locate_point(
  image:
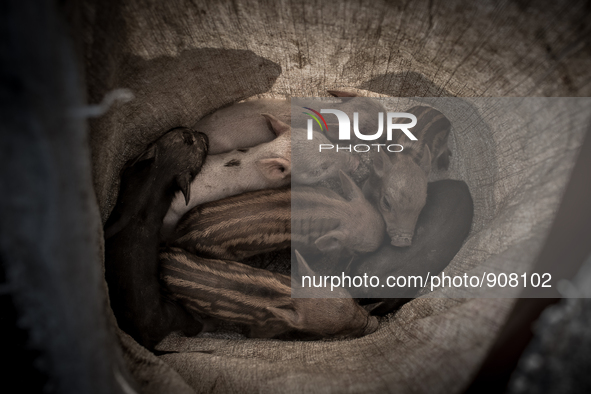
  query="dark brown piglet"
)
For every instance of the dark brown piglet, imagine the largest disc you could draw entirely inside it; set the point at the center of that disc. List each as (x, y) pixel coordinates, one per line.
(148, 185)
(442, 227)
(260, 300)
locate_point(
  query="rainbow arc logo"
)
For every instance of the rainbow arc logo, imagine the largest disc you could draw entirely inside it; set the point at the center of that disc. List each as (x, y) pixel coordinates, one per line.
(315, 117)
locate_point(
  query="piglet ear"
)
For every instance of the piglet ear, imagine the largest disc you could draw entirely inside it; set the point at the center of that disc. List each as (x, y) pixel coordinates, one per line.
(303, 267)
(381, 164)
(184, 182)
(274, 169)
(425, 163)
(332, 241)
(278, 127)
(350, 189)
(353, 163)
(289, 316)
(370, 307)
(342, 93)
(149, 154)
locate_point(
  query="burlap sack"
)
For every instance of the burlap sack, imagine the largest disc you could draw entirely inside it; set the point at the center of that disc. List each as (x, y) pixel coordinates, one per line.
(183, 59)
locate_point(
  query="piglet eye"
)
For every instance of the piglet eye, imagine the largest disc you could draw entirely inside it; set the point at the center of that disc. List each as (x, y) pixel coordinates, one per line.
(385, 204)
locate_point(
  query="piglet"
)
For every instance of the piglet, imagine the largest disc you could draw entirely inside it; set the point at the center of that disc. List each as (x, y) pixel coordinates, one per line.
(251, 223)
(265, 166)
(240, 126)
(260, 300)
(398, 188)
(148, 185)
(441, 229)
(323, 221)
(310, 166)
(398, 184)
(237, 227)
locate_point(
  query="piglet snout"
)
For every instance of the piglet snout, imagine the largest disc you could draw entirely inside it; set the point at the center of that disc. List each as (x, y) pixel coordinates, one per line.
(401, 240)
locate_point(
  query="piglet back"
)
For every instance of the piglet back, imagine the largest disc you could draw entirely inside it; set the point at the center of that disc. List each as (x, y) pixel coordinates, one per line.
(238, 227)
(225, 290)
